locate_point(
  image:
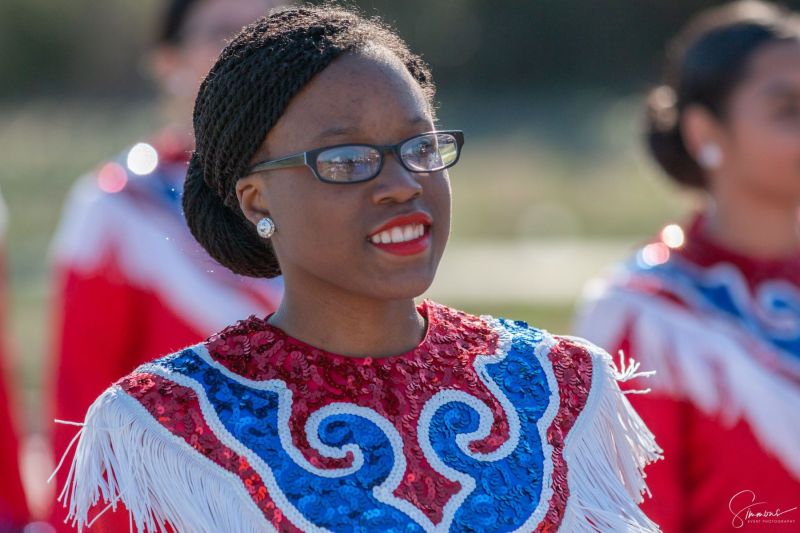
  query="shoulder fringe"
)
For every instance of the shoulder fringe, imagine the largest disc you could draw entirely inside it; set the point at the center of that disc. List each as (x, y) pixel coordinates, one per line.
(124, 456)
(606, 453)
(689, 355)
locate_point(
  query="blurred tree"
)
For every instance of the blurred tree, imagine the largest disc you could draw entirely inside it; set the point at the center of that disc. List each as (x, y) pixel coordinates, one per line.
(92, 46)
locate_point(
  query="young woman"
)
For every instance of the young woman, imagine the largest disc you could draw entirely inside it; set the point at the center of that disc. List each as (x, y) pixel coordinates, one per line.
(714, 307)
(351, 407)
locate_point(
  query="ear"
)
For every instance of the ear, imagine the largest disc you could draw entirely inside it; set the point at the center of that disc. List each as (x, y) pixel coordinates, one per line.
(699, 128)
(251, 192)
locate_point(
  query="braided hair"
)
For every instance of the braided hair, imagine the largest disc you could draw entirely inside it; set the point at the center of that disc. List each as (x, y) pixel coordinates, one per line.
(706, 62)
(241, 99)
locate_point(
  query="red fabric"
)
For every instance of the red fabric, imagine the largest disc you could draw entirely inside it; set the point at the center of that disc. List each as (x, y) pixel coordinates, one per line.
(106, 320)
(318, 378)
(704, 251)
(697, 487)
(128, 326)
(706, 464)
(13, 506)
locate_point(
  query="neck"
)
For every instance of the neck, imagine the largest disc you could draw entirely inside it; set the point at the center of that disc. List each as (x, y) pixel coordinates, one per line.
(348, 324)
(754, 226)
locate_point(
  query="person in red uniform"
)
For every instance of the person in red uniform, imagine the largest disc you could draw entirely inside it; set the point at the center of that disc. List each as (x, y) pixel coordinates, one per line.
(714, 306)
(130, 281)
(13, 507)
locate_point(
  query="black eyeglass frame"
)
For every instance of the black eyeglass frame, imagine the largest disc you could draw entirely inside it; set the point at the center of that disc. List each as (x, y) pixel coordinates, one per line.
(309, 158)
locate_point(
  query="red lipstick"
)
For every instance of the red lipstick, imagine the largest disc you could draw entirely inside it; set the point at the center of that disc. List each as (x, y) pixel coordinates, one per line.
(404, 244)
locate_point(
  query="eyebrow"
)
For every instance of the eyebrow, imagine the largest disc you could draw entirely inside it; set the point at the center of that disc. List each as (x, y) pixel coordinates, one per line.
(336, 131)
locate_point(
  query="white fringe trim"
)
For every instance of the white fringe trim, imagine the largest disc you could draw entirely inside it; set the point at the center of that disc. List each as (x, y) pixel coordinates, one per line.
(703, 360)
(606, 453)
(125, 456)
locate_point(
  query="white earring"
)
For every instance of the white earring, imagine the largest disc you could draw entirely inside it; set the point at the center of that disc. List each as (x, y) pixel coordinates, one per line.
(710, 156)
(265, 227)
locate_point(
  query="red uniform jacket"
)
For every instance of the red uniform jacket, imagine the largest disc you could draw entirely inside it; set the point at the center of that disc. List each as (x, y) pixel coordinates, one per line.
(131, 283)
(722, 332)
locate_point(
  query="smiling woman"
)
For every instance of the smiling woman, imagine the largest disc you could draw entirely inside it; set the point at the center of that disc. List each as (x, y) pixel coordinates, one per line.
(351, 407)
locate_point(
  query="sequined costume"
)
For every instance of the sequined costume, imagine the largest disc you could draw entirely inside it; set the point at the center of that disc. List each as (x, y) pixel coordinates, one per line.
(13, 507)
(131, 283)
(487, 425)
(722, 332)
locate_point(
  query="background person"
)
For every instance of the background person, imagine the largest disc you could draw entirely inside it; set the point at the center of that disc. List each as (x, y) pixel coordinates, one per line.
(130, 282)
(714, 307)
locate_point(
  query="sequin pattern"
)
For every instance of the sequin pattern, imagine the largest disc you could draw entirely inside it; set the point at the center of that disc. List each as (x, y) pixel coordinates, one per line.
(177, 409)
(445, 435)
(572, 366)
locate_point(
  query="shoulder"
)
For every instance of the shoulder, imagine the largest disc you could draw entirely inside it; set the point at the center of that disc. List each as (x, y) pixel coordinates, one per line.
(646, 297)
(585, 420)
(108, 206)
(147, 440)
(119, 182)
(575, 366)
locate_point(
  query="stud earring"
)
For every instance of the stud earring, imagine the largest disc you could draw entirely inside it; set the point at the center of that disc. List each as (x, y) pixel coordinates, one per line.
(265, 228)
(710, 156)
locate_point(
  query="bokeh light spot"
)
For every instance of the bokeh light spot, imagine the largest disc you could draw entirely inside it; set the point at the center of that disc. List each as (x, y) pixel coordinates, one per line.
(112, 178)
(672, 236)
(142, 159)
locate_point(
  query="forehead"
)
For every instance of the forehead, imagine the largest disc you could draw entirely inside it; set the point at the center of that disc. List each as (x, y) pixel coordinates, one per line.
(369, 94)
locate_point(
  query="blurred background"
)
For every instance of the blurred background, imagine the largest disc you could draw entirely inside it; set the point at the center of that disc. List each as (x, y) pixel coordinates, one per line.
(554, 184)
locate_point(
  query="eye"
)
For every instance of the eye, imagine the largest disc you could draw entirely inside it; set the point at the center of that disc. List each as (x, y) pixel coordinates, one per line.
(424, 148)
(348, 163)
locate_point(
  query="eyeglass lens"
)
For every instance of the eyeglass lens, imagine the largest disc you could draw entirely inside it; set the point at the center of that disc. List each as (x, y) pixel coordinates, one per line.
(425, 153)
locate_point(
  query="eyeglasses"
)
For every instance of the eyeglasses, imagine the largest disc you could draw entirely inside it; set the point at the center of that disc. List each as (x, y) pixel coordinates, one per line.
(356, 163)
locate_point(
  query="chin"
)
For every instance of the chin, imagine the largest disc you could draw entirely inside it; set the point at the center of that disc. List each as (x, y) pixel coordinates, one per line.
(401, 289)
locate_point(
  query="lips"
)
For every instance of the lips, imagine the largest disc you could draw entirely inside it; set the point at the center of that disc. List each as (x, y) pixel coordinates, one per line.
(406, 234)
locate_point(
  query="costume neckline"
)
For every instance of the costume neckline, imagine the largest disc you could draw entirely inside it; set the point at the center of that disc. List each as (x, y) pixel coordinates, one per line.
(703, 250)
(424, 308)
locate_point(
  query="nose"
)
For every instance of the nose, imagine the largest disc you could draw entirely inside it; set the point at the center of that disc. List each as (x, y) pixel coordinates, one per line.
(395, 184)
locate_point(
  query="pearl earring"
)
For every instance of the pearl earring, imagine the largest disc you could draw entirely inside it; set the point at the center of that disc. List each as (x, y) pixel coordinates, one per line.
(265, 228)
(710, 156)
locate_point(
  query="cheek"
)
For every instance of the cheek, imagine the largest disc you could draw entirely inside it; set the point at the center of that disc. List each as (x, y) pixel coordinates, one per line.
(321, 233)
(768, 154)
(440, 196)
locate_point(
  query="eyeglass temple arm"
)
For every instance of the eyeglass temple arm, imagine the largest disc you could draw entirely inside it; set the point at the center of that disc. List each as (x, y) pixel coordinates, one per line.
(296, 160)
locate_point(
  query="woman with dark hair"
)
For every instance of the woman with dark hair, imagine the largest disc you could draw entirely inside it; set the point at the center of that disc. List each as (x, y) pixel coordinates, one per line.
(351, 408)
(715, 309)
(130, 282)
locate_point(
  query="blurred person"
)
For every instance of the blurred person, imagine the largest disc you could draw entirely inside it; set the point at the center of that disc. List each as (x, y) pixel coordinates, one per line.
(130, 281)
(351, 408)
(714, 306)
(13, 506)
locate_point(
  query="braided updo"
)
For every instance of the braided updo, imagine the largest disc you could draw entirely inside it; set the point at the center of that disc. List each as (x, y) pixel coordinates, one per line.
(706, 62)
(241, 99)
